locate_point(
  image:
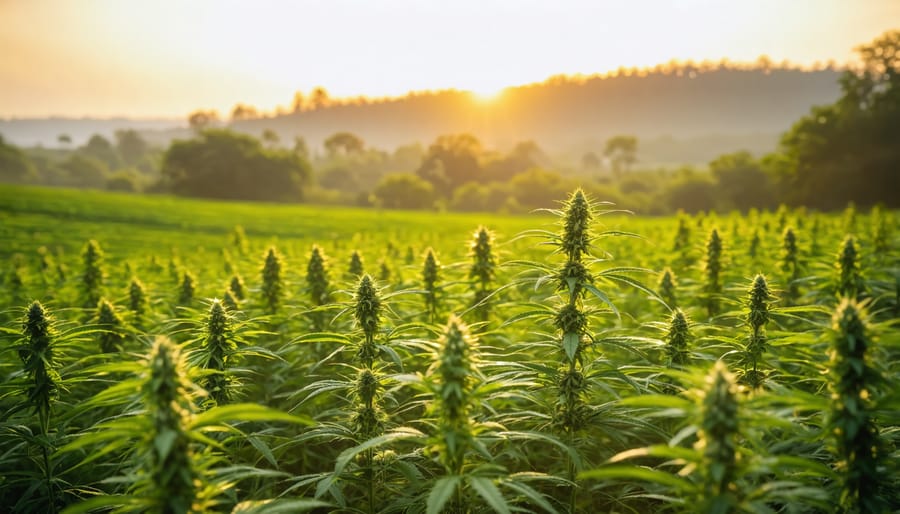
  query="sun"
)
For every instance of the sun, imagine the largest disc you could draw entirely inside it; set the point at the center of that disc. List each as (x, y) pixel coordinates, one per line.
(486, 95)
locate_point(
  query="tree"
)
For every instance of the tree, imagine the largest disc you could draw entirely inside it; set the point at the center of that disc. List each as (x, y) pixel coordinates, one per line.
(621, 151)
(301, 148)
(224, 164)
(200, 120)
(848, 151)
(243, 112)
(14, 164)
(742, 181)
(452, 160)
(590, 161)
(298, 104)
(64, 140)
(524, 156)
(404, 191)
(131, 146)
(100, 148)
(270, 137)
(345, 143)
(319, 98)
(85, 171)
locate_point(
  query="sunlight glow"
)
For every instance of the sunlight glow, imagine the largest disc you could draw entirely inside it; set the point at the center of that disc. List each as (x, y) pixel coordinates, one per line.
(487, 95)
(141, 59)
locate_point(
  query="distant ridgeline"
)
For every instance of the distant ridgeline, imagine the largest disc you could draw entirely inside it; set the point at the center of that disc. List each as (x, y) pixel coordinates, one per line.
(739, 107)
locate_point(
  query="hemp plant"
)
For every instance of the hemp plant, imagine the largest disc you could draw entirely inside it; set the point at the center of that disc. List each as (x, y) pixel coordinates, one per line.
(712, 269)
(756, 317)
(112, 326)
(848, 278)
(854, 382)
(790, 266)
(92, 276)
(431, 273)
(482, 271)
(272, 281)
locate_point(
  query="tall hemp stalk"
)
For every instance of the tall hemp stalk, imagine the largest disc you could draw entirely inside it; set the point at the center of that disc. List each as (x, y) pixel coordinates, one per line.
(572, 279)
(93, 275)
(483, 271)
(272, 282)
(137, 300)
(717, 441)
(790, 265)
(318, 284)
(712, 268)
(112, 326)
(853, 382)
(368, 418)
(456, 374)
(36, 350)
(849, 281)
(757, 316)
(431, 272)
(218, 349)
(168, 458)
(667, 287)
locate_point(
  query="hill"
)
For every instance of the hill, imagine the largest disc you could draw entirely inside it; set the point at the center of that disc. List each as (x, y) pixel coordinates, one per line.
(718, 109)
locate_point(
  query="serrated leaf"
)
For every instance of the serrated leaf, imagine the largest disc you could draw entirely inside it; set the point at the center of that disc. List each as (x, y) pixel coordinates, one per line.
(443, 489)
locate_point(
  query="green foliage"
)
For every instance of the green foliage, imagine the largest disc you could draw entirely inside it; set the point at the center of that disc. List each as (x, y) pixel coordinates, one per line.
(169, 459)
(717, 440)
(218, 351)
(367, 313)
(272, 282)
(356, 268)
(14, 164)
(431, 272)
(667, 286)
(36, 350)
(712, 269)
(187, 288)
(757, 316)
(678, 340)
(237, 287)
(853, 382)
(228, 165)
(404, 191)
(92, 275)
(846, 150)
(137, 298)
(482, 271)
(112, 337)
(848, 279)
(581, 399)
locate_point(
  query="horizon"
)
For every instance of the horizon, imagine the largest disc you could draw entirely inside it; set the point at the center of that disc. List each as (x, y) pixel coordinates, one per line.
(95, 59)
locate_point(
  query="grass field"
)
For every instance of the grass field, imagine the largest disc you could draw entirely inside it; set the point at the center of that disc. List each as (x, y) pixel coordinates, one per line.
(171, 355)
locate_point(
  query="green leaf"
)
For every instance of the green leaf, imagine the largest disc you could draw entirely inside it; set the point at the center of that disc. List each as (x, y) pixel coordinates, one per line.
(245, 412)
(349, 454)
(626, 472)
(441, 492)
(486, 489)
(164, 441)
(570, 344)
(278, 506)
(603, 298)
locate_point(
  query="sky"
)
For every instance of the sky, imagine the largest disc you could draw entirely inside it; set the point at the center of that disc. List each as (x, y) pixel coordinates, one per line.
(166, 58)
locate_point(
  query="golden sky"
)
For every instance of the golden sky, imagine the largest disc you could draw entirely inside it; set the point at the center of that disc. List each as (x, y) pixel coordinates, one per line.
(156, 58)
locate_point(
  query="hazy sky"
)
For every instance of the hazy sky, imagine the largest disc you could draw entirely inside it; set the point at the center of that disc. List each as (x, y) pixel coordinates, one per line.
(149, 58)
